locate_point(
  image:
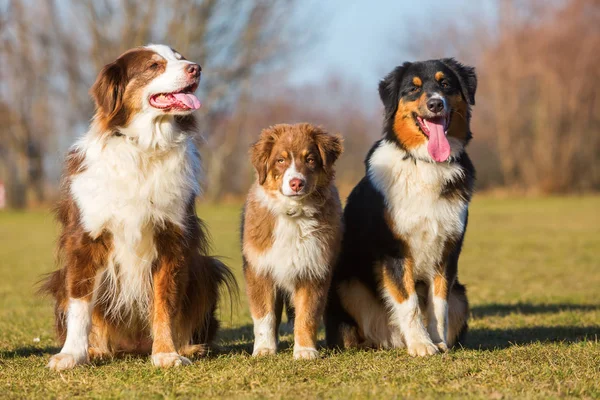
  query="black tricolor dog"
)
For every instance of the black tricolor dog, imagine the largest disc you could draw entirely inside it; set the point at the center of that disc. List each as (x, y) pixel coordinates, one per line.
(396, 282)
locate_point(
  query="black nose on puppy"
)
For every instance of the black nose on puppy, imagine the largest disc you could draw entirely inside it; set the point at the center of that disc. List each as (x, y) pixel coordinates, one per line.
(297, 184)
(435, 105)
(193, 70)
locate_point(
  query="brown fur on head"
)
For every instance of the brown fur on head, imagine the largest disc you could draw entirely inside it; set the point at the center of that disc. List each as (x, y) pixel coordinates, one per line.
(118, 87)
(307, 149)
(133, 82)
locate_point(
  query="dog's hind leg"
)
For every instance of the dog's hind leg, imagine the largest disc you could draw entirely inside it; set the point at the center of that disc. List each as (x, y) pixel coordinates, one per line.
(99, 338)
(341, 330)
(458, 314)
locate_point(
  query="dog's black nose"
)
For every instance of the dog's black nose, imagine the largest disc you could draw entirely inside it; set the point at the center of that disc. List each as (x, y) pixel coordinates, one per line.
(435, 105)
(193, 70)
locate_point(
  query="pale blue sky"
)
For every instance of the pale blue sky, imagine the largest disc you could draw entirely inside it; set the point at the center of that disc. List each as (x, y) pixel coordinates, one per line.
(363, 39)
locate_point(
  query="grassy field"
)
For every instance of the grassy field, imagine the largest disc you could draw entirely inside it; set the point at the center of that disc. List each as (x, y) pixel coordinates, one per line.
(532, 267)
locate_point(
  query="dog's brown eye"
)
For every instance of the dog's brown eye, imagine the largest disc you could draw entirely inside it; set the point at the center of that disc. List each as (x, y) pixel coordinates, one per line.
(281, 160)
(154, 66)
(445, 84)
(415, 89)
(310, 160)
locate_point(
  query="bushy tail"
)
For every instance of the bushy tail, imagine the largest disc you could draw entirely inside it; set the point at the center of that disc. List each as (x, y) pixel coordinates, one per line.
(224, 283)
(54, 284)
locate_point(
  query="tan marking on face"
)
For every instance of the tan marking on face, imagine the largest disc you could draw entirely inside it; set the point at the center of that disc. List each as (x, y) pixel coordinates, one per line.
(417, 81)
(405, 127)
(304, 153)
(119, 86)
(439, 76)
(284, 154)
(142, 67)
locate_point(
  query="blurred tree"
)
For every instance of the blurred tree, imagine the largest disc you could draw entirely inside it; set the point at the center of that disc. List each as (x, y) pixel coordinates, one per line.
(537, 120)
(51, 51)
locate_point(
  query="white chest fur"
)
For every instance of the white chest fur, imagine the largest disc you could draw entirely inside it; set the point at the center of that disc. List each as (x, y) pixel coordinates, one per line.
(129, 192)
(412, 194)
(298, 251)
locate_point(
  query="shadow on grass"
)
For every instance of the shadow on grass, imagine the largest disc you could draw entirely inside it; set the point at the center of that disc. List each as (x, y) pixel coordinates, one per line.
(28, 351)
(240, 340)
(489, 339)
(495, 309)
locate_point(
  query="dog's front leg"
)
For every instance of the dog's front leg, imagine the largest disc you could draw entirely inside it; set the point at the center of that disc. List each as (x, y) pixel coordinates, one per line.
(79, 322)
(262, 300)
(437, 310)
(309, 301)
(83, 262)
(165, 303)
(405, 314)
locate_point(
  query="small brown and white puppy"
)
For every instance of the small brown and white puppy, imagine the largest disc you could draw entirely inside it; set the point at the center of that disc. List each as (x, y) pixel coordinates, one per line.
(291, 233)
(135, 275)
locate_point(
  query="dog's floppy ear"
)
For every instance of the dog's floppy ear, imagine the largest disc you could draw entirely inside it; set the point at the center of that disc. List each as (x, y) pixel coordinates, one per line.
(330, 147)
(261, 151)
(466, 77)
(389, 89)
(108, 90)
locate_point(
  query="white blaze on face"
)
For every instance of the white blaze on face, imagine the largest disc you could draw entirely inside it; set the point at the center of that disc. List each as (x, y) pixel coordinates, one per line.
(290, 174)
(174, 78)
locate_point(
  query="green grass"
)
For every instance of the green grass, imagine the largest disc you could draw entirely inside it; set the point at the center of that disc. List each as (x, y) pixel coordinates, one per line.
(533, 275)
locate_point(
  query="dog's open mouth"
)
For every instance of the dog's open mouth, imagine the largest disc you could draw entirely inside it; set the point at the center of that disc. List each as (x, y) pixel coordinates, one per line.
(183, 99)
(436, 129)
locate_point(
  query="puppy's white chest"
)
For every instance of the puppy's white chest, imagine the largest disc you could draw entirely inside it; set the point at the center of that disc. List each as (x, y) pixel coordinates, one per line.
(297, 251)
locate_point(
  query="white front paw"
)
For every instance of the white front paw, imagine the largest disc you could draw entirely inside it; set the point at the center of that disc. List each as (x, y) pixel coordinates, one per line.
(167, 360)
(422, 349)
(442, 347)
(306, 353)
(263, 351)
(62, 361)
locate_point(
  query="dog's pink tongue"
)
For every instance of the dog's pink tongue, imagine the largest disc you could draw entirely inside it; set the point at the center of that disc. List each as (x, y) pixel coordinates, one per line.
(188, 99)
(438, 146)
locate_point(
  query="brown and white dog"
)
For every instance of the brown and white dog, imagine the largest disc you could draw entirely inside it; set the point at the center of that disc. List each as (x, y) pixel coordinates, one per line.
(291, 233)
(134, 273)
